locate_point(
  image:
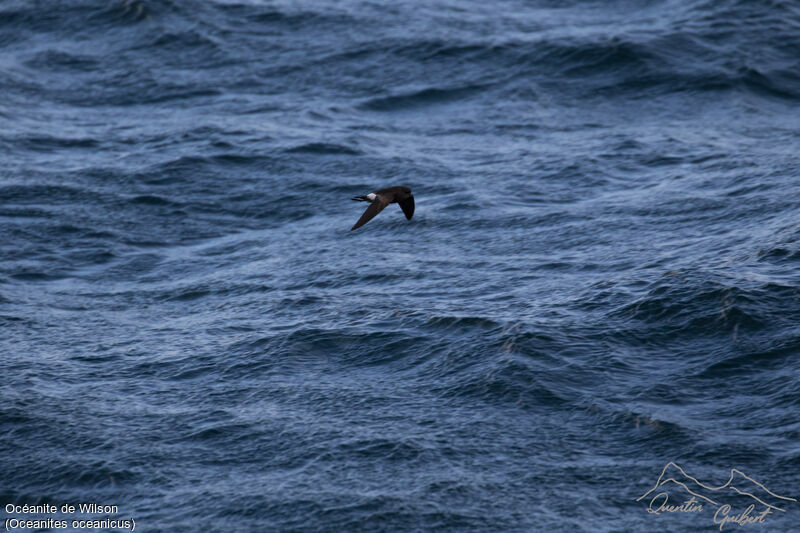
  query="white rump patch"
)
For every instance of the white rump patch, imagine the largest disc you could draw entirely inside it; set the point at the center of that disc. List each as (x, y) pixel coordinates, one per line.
(371, 196)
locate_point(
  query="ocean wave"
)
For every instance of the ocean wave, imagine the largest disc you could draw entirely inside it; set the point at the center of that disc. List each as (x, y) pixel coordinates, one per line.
(152, 199)
(682, 304)
(422, 98)
(283, 17)
(50, 194)
(322, 148)
(755, 359)
(457, 322)
(59, 60)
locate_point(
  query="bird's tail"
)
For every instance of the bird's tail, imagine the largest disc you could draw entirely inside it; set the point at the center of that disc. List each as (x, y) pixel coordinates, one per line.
(362, 198)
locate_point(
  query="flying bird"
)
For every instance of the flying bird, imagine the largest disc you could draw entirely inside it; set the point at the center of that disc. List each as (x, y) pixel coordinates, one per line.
(382, 198)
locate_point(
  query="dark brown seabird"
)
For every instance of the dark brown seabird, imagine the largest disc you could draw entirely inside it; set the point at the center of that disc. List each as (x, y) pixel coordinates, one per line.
(382, 198)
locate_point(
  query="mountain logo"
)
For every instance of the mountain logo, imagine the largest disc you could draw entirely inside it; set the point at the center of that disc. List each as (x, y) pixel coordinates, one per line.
(756, 500)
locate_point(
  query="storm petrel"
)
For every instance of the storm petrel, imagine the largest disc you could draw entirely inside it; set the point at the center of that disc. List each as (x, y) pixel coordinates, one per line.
(382, 198)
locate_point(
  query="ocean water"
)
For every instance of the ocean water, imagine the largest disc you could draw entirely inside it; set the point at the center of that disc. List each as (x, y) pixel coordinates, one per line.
(601, 276)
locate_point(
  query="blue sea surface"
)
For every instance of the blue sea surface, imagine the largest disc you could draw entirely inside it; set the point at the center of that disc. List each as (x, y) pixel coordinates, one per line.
(602, 275)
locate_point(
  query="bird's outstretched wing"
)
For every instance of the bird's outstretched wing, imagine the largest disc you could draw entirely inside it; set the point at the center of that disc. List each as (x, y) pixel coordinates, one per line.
(374, 208)
(407, 205)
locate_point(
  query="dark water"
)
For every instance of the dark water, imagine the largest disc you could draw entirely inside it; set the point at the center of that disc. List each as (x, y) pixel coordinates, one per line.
(601, 275)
